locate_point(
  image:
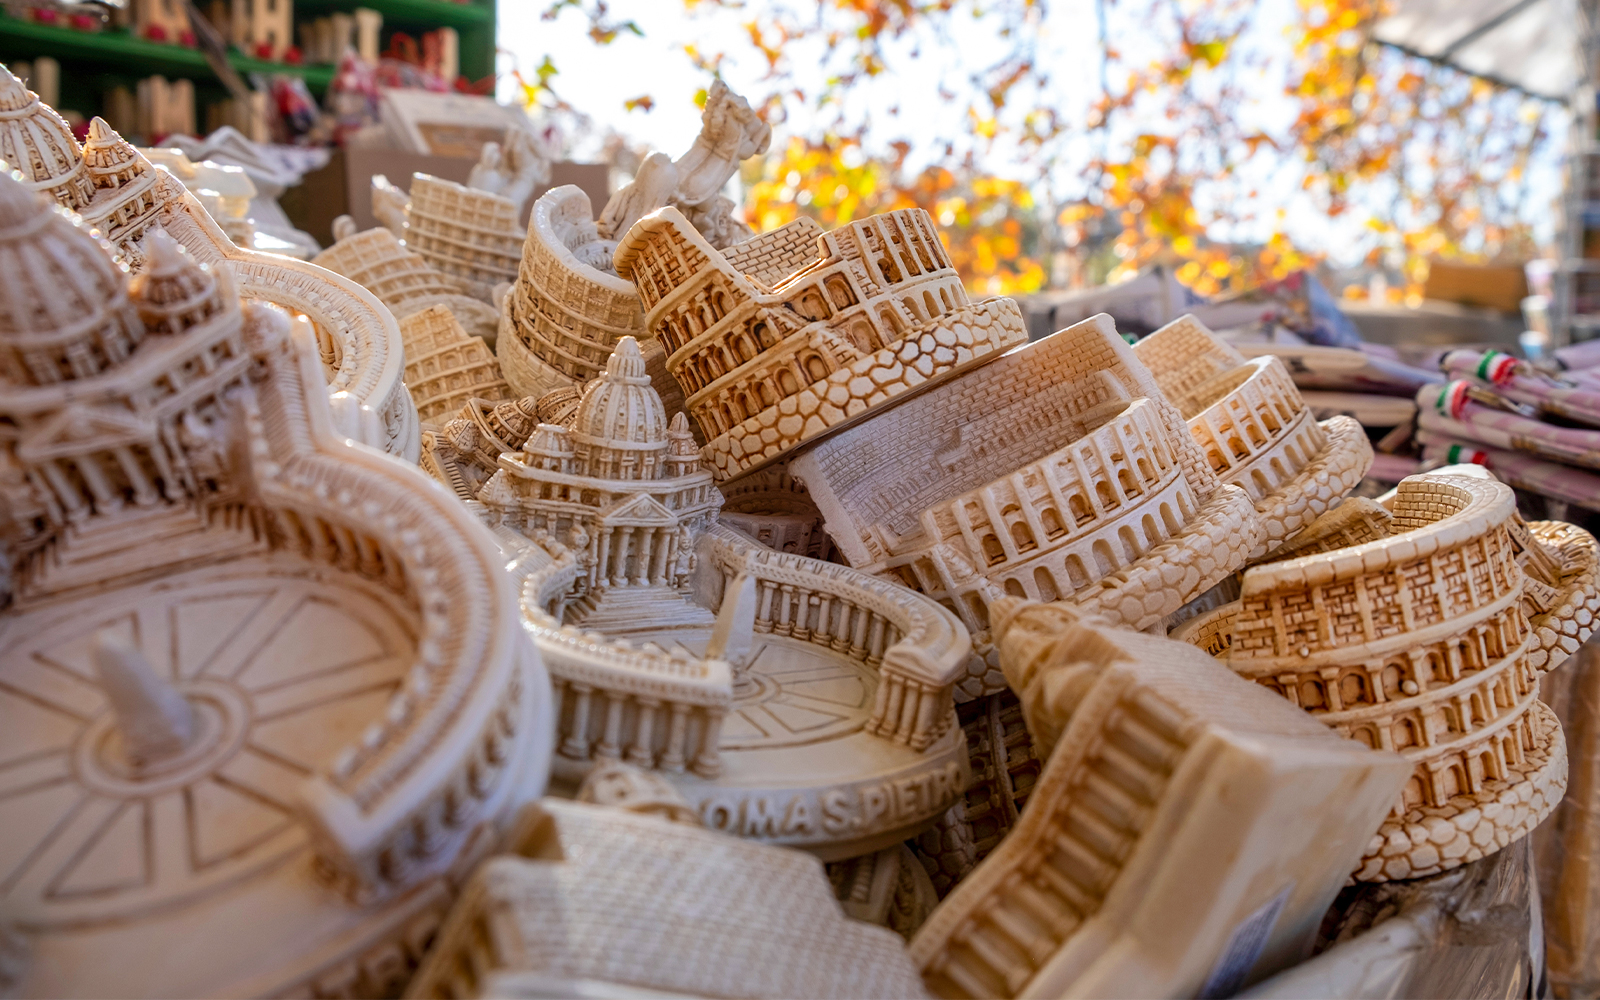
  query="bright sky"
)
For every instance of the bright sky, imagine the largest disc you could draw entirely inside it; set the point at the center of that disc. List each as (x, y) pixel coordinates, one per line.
(598, 80)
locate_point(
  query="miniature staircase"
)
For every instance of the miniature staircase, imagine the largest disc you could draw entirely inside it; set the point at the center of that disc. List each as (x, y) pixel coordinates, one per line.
(135, 543)
(621, 610)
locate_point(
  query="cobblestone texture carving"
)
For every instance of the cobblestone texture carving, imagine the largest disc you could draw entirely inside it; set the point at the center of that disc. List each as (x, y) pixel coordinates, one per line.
(445, 367)
(1057, 472)
(600, 904)
(567, 310)
(1255, 429)
(403, 281)
(471, 236)
(114, 186)
(260, 690)
(1419, 641)
(1160, 763)
(875, 312)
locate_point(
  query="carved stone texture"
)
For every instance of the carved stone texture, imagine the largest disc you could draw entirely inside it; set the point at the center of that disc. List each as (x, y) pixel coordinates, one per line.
(1057, 471)
(1160, 765)
(127, 197)
(1255, 429)
(471, 236)
(261, 691)
(889, 888)
(405, 282)
(567, 311)
(446, 368)
(598, 905)
(874, 311)
(772, 507)
(623, 786)
(1420, 642)
(466, 452)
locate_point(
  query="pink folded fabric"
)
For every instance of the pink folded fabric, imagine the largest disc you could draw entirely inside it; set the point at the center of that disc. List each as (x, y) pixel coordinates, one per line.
(1526, 472)
(1576, 400)
(1458, 410)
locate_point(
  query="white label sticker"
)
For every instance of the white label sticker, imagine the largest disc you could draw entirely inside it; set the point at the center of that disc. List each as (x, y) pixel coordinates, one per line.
(1244, 946)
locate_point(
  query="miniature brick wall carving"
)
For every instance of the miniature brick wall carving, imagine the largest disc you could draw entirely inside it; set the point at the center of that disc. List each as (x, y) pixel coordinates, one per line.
(446, 368)
(402, 280)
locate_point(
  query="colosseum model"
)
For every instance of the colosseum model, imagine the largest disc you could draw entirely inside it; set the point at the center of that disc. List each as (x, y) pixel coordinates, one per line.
(1058, 471)
(1406, 629)
(113, 186)
(260, 689)
(471, 236)
(1160, 765)
(841, 323)
(445, 367)
(1256, 431)
(567, 311)
(377, 261)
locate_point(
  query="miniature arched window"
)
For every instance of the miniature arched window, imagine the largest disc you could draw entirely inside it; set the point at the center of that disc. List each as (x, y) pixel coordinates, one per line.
(1405, 734)
(1283, 409)
(860, 334)
(1184, 510)
(1022, 536)
(1168, 520)
(1130, 545)
(816, 367)
(1104, 561)
(839, 291)
(1076, 575)
(1015, 588)
(891, 270)
(933, 307)
(979, 610)
(1051, 521)
(1455, 781)
(764, 390)
(742, 349)
(1489, 766)
(787, 382)
(1353, 690)
(1256, 437)
(812, 306)
(944, 297)
(1129, 487)
(1277, 470)
(1291, 454)
(1215, 458)
(1364, 734)
(1391, 680)
(763, 335)
(1415, 793)
(1108, 499)
(727, 417)
(719, 303)
(1152, 534)
(911, 307)
(1452, 720)
(1080, 508)
(1237, 446)
(1268, 418)
(993, 551)
(892, 322)
(1312, 695)
(1259, 478)
(1045, 584)
(1145, 472)
(1479, 715)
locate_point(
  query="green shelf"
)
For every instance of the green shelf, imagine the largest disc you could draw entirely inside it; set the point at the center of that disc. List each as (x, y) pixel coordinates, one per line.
(120, 51)
(406, 13)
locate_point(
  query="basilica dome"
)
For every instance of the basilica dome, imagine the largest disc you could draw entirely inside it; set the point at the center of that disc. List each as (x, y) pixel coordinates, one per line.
(37, 143)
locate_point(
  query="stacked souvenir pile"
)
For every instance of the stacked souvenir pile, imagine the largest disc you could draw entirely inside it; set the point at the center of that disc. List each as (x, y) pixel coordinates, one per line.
(577, 708)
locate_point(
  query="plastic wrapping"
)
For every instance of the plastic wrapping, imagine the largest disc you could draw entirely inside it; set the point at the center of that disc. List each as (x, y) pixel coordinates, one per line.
(1473, 933)
(1567, 846)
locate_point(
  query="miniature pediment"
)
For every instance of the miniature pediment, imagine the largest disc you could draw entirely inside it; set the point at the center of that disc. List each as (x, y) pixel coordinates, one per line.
(82, 425)
(638, 509)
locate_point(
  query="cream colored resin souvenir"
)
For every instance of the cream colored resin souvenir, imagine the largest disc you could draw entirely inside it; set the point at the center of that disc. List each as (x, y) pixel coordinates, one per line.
(730, 132)
(358, 340)
(1185, 837)
(471, 236)
(849, 320)
(1254, 428)
(597, 902)
(1417, 639)
(790, 700)
(446, 368)
(262, 690)
(567, 310)
(1057, 472)
(772, 507)
(402, 280)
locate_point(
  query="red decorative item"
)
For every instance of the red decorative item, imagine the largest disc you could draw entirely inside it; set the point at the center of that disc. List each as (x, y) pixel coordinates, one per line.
(293, 56)
(44, 15)
(83, 22)
(156, 33)
(263, 50)
(186, 38)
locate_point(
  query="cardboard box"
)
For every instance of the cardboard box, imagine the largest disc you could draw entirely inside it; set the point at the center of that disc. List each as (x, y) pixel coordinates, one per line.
(344, 186)
(1492, 286)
